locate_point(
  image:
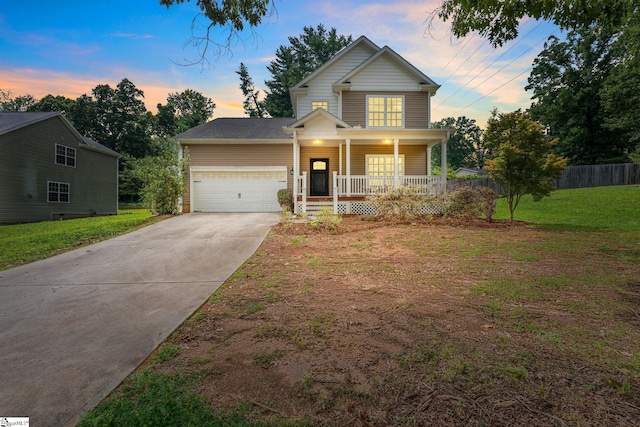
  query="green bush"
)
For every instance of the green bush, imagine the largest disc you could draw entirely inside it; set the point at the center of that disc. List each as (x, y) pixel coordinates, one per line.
(471, 202)
(326, 219)
(401, 203)
(285, 198)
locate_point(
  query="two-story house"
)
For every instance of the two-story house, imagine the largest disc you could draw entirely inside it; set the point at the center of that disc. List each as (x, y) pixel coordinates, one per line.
(50, 171)
(362, 126)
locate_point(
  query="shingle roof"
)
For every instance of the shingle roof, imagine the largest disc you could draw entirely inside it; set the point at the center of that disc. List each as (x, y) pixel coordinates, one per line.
(239, 128)
(10, 121)
(94, 144)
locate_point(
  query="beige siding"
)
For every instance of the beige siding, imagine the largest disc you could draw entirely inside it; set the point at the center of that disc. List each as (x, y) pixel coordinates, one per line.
(27, 163)
(331, 153)
(416, 108)
(239, 155)
(415, 157)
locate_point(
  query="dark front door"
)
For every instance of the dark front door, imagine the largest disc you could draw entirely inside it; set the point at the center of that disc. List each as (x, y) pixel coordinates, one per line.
(319, 177)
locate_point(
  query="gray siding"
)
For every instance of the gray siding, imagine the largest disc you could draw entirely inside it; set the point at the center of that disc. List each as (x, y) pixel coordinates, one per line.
(354, 108)
(27, 163)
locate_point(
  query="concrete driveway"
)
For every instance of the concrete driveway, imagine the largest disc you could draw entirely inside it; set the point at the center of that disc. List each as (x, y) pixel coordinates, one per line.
(72, 327)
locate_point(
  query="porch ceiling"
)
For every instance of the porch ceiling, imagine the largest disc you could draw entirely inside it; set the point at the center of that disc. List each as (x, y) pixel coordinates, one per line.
(360, 136)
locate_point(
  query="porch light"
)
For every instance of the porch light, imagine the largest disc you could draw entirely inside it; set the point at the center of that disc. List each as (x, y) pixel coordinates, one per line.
(317, 141)
(291, 171)
(387, 141)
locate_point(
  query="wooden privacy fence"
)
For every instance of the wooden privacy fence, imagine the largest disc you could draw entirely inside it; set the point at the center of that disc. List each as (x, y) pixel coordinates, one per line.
(572, 177)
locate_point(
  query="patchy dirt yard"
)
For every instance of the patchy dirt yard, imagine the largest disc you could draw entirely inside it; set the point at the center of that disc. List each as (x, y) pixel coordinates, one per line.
(428, 323)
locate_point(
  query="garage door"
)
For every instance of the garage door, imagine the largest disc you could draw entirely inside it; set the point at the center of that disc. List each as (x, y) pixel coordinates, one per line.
(237, 189)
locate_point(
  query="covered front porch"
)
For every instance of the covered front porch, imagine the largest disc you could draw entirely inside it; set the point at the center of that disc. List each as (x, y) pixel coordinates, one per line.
(350, 192)
(337, 164)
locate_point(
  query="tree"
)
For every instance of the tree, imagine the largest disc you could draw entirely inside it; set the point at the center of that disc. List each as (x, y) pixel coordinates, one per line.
(521, 160)
(567, 79)
(183, 111)
(498, 20)
(53, 103)
(253, 106)
(305, 54)
(620, 95)
(162, 177)
(122, 120)
(465, 148)
(234, 15)
(18, 103)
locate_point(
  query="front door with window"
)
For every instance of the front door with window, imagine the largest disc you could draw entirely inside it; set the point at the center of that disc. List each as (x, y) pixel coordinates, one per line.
(319, 177)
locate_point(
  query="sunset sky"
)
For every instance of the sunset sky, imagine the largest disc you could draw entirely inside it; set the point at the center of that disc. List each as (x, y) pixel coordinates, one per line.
(68, 48)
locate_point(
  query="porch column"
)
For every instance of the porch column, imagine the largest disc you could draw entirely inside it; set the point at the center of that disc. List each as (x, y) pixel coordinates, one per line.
(429, 160)
(296, 171)
(443, 163)
(335, 192)
(348, 159)
(396, 165)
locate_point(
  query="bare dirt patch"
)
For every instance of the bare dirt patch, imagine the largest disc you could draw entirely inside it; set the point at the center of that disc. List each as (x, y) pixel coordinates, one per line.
(425, 323)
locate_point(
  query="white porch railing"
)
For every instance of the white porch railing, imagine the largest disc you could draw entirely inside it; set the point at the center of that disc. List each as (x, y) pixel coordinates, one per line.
(362, 185)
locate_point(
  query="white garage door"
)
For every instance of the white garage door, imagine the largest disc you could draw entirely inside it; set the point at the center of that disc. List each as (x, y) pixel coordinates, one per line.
(237, 189)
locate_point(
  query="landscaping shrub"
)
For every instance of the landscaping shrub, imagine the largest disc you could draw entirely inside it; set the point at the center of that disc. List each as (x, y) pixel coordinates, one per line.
(325, 218)
(286, 217)
(285, 198)
(471, 202)
(401, 203)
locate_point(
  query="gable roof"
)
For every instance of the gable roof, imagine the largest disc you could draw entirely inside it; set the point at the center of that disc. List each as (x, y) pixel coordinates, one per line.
(318, 112)
(425, 82)
(239, 128)
(360, 41)
(12, 121)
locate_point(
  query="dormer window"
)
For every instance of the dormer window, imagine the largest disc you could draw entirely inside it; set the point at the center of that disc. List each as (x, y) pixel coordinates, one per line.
(385, 111)
(319, 104)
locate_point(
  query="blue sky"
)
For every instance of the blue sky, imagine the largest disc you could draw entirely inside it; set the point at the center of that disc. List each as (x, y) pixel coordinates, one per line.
(68, 48)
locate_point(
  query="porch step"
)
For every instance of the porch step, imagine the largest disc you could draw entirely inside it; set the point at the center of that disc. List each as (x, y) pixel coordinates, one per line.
(314, 207)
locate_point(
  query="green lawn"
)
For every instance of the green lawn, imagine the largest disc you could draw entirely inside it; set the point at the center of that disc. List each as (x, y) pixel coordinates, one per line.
(613, 208)
(606, 219)
(24, 243)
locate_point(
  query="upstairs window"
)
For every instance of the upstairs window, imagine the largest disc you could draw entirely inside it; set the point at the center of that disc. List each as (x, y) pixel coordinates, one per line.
(319, 104)
(57, 192)
(65, 155)
(385, 111)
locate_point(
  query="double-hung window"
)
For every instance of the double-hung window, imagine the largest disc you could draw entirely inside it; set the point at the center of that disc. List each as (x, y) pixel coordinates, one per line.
(385, 111)
(57, 192)
(65, 155)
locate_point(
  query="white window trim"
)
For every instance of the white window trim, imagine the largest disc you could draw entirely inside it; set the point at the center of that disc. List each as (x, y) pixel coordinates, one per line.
(59, 192)
(400, 156)
(404, 108)
(314, 108)
(66, 147)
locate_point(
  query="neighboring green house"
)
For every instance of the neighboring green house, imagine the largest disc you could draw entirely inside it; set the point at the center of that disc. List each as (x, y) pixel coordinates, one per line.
(49, 171)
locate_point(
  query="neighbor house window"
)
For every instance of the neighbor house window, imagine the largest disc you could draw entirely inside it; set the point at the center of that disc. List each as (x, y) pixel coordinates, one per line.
(385, 111)
(319, 104)
(58, 192)
(65, 155)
